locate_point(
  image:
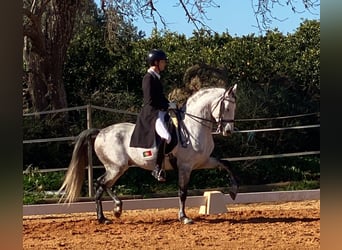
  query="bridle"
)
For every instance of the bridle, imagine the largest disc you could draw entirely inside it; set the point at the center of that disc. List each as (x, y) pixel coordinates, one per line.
(220, 103)
(222, 109)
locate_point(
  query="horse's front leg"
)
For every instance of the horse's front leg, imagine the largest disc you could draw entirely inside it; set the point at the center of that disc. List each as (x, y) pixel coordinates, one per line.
(234, 187)
(223, 164)
(183, 177)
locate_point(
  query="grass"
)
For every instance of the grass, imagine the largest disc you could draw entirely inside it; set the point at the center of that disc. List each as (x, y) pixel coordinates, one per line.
(299, 185)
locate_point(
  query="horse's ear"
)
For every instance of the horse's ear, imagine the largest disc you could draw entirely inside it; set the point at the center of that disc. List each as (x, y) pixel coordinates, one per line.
(234, 88)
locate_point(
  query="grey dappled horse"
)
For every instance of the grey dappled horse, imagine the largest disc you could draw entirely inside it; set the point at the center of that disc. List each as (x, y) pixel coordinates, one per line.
(111, 144)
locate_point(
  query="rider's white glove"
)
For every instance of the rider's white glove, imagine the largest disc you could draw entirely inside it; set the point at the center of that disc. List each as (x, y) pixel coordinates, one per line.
(172, 105)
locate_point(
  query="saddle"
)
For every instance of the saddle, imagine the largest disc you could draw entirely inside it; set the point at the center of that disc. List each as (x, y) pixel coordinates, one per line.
(176, 129)
(178, 132)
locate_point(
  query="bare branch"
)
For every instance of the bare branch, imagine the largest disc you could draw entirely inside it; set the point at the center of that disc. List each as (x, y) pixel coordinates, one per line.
(187, 13)
(32, 30)
(36, 7)
(150, 5)
(263, 10)
(197, 12)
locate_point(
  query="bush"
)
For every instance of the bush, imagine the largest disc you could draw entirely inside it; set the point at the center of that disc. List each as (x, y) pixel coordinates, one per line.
(36, 184)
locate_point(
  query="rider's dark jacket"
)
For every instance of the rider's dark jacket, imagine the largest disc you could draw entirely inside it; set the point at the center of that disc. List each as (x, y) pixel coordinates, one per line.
(154, 100)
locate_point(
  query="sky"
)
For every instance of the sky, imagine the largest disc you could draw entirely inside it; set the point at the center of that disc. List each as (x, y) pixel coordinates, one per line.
(234, 16)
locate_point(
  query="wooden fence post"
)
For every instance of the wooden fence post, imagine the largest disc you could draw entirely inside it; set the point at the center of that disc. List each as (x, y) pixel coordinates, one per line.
(90, 156)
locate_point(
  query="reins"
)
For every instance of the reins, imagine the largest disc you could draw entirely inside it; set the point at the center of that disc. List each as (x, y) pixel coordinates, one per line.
(194, 117)
(197, 117)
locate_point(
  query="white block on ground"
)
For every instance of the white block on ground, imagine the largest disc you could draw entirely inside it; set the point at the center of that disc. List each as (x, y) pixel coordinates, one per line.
(215, 203)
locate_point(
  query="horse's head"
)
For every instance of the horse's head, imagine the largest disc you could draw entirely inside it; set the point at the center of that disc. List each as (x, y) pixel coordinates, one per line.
(223, 111)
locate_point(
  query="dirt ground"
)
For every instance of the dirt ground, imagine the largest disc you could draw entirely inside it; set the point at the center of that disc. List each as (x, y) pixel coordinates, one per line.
(291, 225)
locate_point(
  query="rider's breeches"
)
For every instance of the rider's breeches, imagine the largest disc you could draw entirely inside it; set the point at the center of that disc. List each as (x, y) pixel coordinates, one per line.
(161, 128)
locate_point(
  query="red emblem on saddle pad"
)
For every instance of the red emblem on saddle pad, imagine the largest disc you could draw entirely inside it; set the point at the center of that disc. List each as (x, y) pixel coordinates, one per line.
(147, 153)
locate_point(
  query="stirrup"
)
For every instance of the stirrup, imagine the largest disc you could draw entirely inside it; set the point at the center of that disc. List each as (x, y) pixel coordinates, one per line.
(159, 174)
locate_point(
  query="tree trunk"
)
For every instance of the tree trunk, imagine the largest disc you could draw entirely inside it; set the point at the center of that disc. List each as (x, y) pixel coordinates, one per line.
(48, 29)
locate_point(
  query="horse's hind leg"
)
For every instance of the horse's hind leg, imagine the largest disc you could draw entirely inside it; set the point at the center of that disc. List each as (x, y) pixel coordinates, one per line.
(99, 210)
(104, 183)
(117, 203)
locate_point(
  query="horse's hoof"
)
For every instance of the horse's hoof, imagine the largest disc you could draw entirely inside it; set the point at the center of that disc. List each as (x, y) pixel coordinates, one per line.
(186, 221)
(105, 221)
(232, 195)
(234, 191)
(117, 212)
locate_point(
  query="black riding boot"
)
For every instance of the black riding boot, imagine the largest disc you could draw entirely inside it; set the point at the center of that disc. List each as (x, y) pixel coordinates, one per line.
(158, 172)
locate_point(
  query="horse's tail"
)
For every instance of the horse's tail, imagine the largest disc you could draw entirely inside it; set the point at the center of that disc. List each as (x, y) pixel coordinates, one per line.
(75, 175)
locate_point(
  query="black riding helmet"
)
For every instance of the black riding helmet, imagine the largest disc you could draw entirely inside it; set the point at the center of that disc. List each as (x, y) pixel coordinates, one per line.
(156, 55)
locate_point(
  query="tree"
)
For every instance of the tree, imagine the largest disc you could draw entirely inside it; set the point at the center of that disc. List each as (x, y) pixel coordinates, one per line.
(96, 71)
(48, 28)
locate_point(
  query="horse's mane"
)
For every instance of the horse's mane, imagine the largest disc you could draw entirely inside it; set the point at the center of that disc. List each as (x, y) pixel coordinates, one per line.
(200, 93)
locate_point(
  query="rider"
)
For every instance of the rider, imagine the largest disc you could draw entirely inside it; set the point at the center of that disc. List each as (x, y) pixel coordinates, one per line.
(155, 106)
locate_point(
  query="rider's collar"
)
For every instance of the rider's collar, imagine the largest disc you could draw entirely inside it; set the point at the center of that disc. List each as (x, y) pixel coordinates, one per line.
(152, 72)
